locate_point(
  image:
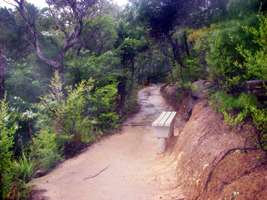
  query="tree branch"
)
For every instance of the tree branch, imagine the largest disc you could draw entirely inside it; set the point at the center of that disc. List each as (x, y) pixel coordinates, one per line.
(68, 11)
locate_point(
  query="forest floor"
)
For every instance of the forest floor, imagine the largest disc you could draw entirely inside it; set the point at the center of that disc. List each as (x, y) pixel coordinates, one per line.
(119, 167)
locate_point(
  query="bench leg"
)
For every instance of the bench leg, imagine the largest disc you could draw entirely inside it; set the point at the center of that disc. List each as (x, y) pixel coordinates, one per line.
(161, 145)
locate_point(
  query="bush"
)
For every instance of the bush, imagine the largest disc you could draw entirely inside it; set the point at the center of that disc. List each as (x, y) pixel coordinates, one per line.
(131, 103)
(236, 109)
(67, 116)
(88, 109)
(75, 120)
(255, 60)
(237, 53)
(7, 131)
(193, 70)
(45, 151)
(92, 66)
(222, 56)
(24, 168)
(220, 46)
(103, 103)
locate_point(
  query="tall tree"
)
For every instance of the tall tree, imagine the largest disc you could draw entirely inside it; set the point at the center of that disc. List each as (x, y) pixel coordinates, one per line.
(68, 19)
(2, 74)
(163, 17)
(11, 35)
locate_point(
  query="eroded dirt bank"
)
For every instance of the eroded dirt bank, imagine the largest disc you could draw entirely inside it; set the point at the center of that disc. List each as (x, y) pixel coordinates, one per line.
(124, 166)
(214, 161)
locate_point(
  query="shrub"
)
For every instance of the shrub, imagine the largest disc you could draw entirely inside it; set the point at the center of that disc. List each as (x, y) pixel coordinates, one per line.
(131, 103)
(103, 106)
(67, 116)
(92, 66)
(50, 106)
(193, 70)
(219, 45)
(222, 55)
(239, 54)
(75, 120)
(236, 109)
(7, 131)
(24, 168)
(45, 151)
(255, 60)
(88, 109)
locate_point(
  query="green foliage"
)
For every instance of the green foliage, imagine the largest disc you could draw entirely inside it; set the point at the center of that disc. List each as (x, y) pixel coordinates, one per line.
(74, 117)
(7, 131)
(54, 119)
(234, 54)
(67, 115)
(103, 102)
(99, 34)
(242, 8)
(131, 104)
(194, 70)
(255, 60)
(237, 109)
(222, 56)
(128, 52)
(129, 48)
(24, 168)
(92, 66)
(103, 66)
(50, 105)
(13, 173)
(25, 80)
(12, 35)
(45, 151)
(87, 110)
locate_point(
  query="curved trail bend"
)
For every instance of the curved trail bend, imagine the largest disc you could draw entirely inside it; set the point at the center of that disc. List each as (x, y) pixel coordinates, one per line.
(124, 166)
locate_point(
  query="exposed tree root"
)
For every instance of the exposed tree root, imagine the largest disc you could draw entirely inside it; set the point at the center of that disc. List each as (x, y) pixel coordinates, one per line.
(217, 161)
(247, 172)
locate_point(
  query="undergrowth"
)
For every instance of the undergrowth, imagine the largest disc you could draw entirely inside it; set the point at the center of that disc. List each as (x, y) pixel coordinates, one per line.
(237, 109)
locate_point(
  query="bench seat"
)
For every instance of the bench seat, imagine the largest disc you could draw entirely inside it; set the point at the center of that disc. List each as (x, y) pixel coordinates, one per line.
(163, 128)
(163, 124)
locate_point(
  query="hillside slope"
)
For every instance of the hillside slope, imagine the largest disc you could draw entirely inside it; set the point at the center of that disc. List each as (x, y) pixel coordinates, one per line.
(215, 161)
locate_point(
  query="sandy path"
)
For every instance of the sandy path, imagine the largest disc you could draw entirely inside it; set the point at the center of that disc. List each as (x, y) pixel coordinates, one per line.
(125, 165)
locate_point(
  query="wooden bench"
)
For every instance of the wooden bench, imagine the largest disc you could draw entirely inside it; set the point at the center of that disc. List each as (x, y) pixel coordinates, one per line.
(163, 128)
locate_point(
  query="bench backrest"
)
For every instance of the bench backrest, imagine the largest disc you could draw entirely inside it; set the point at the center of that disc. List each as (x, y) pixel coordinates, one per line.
(165, 119)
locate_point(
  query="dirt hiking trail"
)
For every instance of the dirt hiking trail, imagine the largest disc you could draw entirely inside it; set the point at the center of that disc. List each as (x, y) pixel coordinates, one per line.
(124, 166)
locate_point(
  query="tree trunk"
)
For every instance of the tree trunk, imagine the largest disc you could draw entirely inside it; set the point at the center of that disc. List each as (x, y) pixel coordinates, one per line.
(186, 44)
(2, 75)
(57, 63)
(132, 69)
(177, 56)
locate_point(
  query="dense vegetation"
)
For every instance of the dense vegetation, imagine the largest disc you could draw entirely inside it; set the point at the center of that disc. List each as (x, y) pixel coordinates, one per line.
(223, 41)
(69, 72)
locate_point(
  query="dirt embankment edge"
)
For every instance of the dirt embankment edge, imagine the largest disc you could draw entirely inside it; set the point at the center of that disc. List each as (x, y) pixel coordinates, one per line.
(215, 161)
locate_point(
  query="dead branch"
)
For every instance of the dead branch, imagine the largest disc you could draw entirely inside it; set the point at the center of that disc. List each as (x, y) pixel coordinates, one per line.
(98, 173)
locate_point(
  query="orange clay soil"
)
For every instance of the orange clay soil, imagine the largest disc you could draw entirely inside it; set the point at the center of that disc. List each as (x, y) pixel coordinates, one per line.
(214, 161)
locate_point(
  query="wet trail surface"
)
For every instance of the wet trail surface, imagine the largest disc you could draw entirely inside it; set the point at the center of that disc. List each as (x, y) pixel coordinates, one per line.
(124, 166)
